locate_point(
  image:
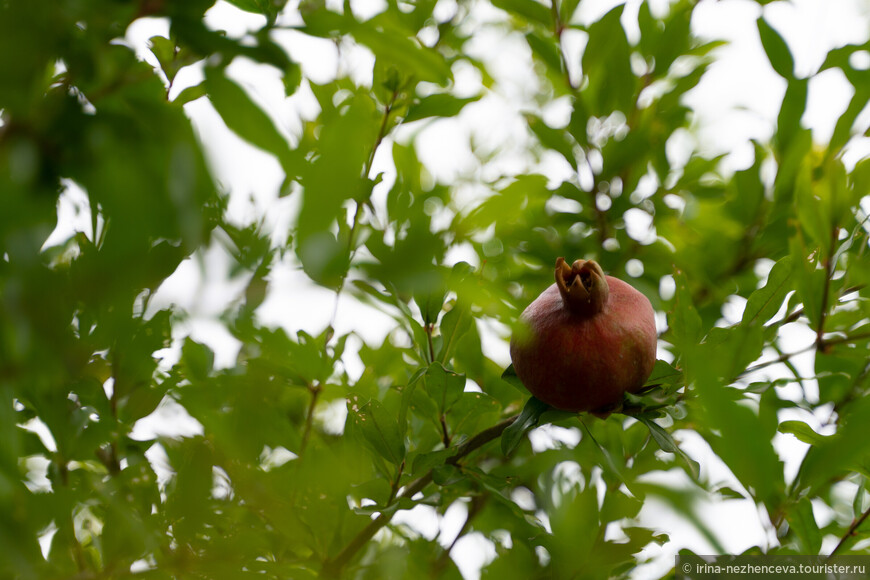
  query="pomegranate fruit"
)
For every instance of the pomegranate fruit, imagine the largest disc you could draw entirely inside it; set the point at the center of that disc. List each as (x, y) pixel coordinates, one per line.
(589, 338)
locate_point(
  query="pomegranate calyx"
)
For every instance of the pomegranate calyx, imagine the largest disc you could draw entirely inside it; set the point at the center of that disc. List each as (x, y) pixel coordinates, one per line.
(583, 286)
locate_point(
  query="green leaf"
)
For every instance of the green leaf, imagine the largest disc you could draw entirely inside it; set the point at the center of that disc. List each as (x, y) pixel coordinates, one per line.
(394, 46)
(379, 429)
(292, 79)
(243, 116)
(667, 443)
(794, 104)
(454, 324)
(443, 386)
(255, 6)
(607, 66)
(802, 521)
(776, 49)
(510, 376)
(765, 302)
(426, 461)
(447, 474)
(198, 359)
(532, 11)
(840, 452)
(802, 431)
(664, 374)
(554, 139)
(738, 436)
(528, 419)
(190, 94)
(437, 105)
(685, 322)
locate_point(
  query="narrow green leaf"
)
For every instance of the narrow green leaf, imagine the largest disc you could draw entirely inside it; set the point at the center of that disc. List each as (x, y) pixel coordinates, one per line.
(528, 419)
(803, 522)
(685, 321)
(243, 116)
(662, 437)
(454, 325)
(766, 301)
(190, 94)
(802, 431)
(777, 50)
(438, 105)
(510, 376)
(667, 443)
(396, 47)
(794, 103)
(528, 10)
(255, 6)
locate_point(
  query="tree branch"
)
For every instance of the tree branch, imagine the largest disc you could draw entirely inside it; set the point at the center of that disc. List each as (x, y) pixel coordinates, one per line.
(332, 568)
(850, 532)
(829, 270)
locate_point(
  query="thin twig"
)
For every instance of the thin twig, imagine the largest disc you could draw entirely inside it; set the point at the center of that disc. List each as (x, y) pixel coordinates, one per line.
(850, 532)
(309, 417)
(558, 28)
(477, 503)
(829, 270)
(351, 238)
(332, 568)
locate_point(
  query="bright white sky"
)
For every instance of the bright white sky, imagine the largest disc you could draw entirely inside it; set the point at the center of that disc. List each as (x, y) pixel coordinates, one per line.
(737, 101)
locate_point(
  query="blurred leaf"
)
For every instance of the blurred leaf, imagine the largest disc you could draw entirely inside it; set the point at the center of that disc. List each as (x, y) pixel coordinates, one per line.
(393, 46)
(190, 94)
(198, 359)
(802, 431)
(532, 11)
(437, 105)
(255, 6)
(776, 49)
(607, 66)
(685, 321)
(793, 106)
(552, 138)
(664, 374)
(243, 116)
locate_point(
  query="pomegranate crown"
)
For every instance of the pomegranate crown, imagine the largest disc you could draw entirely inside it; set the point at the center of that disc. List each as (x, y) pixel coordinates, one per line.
(583, 286)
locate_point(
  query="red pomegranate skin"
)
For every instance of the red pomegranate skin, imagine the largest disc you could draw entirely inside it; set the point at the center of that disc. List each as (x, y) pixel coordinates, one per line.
(584, 359)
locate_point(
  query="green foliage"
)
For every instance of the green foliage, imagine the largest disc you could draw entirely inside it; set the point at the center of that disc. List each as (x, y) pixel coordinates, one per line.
(267, 485)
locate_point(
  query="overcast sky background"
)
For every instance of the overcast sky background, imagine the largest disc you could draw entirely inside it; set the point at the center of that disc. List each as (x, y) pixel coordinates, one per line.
(737, 101)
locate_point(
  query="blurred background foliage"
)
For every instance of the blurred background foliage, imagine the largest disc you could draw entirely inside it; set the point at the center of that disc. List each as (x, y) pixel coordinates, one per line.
(270, 486)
